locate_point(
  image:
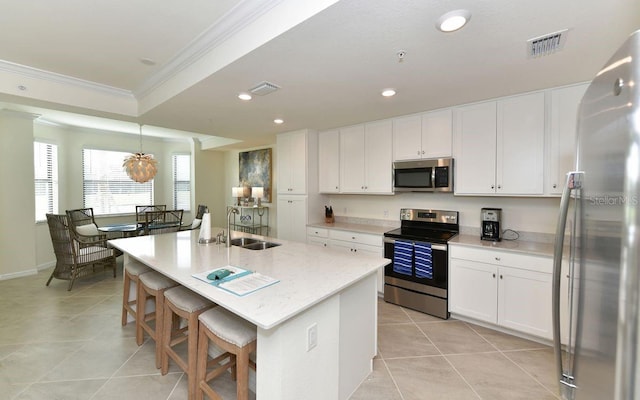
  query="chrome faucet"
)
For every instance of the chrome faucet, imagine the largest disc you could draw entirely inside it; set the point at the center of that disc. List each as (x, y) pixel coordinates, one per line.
(232, 210)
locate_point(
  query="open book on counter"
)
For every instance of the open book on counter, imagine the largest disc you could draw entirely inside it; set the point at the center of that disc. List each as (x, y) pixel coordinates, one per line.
(236, 280)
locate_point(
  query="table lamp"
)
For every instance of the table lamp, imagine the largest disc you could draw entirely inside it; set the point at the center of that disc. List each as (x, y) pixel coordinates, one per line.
(258, 193)
(236, 192)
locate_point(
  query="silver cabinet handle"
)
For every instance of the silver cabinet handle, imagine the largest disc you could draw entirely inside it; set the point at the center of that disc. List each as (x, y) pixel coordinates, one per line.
(422, 151)
(494, 275)
(499, 186)
(493, 187)
(555, 185)
(497, 258)
(500, 276)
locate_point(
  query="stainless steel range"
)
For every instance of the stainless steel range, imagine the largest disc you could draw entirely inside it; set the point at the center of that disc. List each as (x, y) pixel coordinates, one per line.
(418, 276)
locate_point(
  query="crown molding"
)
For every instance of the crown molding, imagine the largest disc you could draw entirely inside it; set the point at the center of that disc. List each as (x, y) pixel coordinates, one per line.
(229, 24)
(36, 73)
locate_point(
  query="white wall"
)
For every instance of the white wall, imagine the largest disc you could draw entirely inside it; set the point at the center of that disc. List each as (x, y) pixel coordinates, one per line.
(520, 214)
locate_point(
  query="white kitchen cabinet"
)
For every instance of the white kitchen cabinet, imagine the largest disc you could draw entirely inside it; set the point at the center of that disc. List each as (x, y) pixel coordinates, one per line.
(292, 217)
(561, 141)
(426, 135)
(355, 243)
(292, 162)
(318, 236)
(329, 161)
(499, 146)
(504, 288)
(366, 158)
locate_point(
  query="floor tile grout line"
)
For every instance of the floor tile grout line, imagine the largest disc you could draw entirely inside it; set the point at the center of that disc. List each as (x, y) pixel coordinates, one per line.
(530, 375)
(393, 379)
(463, 378)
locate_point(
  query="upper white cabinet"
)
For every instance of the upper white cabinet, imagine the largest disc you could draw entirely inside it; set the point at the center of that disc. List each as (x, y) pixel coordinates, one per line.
(292, 162)
(329, 161)
(366, 158)
(499, 146)
(561, 142)
(422, 136)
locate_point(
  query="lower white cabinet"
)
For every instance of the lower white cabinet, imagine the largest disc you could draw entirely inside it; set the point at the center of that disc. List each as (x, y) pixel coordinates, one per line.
(504, 288)
(348, 241)
(292, 217)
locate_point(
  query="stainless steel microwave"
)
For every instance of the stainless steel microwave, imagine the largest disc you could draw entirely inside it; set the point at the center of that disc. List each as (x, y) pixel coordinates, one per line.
(429, 175)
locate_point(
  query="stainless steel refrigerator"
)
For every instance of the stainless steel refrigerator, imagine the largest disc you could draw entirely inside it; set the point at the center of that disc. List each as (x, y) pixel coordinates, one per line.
(599, 231)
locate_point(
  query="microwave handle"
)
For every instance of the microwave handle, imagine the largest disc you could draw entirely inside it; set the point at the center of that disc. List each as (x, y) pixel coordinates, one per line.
(433, 177)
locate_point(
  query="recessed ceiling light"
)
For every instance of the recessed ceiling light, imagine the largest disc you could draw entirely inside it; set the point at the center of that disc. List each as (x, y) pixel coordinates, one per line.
(453, 20)
(147, 61)
(388, 92)
(278, 121)
(244, 96)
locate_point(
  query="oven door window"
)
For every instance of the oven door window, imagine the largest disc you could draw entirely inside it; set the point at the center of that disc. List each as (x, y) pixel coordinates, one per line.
(413, 178)
(439, 268)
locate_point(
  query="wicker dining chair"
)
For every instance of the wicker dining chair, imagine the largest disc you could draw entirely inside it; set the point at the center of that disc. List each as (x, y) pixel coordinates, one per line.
(83, 224)
(195, 224)
(157, 222)
(141, 210)
(75, 258)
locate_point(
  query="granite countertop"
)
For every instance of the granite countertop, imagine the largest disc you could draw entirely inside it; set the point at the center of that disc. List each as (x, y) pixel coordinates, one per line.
(307, 274)
(517, 246)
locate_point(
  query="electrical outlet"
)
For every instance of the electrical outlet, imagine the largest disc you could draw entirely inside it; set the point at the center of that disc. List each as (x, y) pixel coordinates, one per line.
(312, 337)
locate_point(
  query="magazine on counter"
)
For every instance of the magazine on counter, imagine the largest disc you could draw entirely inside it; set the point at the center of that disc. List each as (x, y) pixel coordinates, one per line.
(236, 280)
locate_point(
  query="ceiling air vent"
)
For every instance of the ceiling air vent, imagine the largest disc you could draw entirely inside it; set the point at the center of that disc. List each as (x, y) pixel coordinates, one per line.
(263, 88)
(547, 44)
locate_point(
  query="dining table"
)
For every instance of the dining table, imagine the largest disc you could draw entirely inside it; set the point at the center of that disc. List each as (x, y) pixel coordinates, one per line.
(124, 229)
(316, 325)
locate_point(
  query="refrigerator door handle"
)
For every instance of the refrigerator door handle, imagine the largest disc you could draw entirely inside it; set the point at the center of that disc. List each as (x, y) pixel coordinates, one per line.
(573, 182)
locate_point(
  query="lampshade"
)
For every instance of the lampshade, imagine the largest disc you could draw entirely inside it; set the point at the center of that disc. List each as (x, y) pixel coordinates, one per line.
(140, 167)
(257, 192)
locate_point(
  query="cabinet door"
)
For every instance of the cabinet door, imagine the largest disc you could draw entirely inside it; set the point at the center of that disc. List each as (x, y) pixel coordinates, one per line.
(378, 145)
(292, 218)
(475, 149)
(292, 162)
(436, 134)
(563, 115)
(329, 161)
(473, 289)
(407, 138)
(520, 145)
(352, 159)
(524, 301)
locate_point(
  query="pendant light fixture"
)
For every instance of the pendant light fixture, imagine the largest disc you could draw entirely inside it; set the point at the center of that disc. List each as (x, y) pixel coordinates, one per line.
(139, 166)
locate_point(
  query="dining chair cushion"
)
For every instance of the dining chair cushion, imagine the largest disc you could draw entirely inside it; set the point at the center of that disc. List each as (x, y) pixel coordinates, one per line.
(229, 327)
(196, 223)
(156, 281)
(87, 230)
(186, 300)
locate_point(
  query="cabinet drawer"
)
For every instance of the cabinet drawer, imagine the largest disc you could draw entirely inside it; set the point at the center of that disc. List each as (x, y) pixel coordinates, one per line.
(356, 237)
(317, 232)
(505, 258)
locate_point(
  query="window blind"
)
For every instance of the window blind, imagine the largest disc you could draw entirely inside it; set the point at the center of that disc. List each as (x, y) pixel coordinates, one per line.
(106, 186)
(45, 162)
(182, 181)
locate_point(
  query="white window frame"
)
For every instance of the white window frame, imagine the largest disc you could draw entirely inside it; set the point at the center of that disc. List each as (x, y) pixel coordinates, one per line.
(181, 163)
(45, 164)
(106, 187)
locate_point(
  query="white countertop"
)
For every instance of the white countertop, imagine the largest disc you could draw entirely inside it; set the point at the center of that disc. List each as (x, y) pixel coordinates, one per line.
(518, 246)
(308, 274)
(361, 228)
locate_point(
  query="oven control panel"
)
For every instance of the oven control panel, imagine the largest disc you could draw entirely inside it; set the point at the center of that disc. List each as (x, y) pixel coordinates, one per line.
(441, 216)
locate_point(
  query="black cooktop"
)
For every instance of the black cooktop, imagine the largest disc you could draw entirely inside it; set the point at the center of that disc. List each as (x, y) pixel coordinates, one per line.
(425, 235)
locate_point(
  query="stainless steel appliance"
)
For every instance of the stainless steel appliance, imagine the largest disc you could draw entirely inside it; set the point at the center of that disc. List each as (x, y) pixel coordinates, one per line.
(490, 220)
(429, 175)
(417, 278)
(599, 209)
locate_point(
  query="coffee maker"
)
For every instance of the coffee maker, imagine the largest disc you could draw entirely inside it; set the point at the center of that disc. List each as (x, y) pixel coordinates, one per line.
(490, 224)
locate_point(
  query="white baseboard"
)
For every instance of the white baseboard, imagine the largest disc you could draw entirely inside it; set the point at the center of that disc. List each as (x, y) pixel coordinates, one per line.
(27, 272)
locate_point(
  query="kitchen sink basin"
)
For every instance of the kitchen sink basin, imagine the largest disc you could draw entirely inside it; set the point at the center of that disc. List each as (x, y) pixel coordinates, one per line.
(260, 245)
(243, 241)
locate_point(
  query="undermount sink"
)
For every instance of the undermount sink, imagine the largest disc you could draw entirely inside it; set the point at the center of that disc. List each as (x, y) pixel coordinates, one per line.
(252, 244)
(260, 245)
(243, 241)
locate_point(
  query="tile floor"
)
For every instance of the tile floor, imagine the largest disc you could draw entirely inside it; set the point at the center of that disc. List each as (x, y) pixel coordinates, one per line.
(64, 345)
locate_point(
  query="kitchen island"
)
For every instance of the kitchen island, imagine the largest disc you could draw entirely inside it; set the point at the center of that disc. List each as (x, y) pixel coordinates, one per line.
(328, 292)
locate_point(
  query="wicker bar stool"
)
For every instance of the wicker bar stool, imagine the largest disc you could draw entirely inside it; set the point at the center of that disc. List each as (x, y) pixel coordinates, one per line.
(131, 272)
(151, 285)
(180, 302)
(237, 338)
